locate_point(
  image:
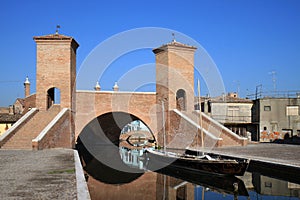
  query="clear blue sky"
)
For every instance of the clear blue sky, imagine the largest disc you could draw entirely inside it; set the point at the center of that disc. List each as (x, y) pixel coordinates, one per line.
(247, 39)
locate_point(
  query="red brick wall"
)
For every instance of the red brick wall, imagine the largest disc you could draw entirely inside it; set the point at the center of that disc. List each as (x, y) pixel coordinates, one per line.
(56, 67)
(90, 105)
(60, 135)
(29, 103)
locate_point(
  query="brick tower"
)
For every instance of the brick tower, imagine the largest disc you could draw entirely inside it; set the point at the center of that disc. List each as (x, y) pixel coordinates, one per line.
(174, 80)
(55, 70)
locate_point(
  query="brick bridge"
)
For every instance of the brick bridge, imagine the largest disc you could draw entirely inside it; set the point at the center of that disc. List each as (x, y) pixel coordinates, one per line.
(46, 124)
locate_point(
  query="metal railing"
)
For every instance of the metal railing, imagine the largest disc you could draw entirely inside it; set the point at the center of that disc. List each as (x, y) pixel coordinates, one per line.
(275, 94)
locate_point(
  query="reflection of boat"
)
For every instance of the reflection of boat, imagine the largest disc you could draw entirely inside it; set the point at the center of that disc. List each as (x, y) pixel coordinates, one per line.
(204, 163)
(137, 139)
(221, 184)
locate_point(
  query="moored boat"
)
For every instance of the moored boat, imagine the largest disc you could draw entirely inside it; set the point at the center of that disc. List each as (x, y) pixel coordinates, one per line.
(205, 163)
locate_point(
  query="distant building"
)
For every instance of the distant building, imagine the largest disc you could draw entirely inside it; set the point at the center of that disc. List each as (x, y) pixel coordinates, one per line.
(276, 118)
(232, 111)
(7, 119)
(264, 119)
(9, 115)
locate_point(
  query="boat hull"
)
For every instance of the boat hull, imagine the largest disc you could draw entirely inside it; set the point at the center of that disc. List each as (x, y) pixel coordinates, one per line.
(221, 167)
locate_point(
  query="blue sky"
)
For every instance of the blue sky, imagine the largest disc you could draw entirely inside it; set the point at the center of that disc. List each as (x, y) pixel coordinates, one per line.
(246, 39)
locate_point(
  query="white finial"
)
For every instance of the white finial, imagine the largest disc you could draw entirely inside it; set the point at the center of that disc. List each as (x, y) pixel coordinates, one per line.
(97, 86)
(26, 80)
(116, 87)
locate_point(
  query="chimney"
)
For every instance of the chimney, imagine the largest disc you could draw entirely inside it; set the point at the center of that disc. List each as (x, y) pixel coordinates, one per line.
(11, 109)
(27, 87)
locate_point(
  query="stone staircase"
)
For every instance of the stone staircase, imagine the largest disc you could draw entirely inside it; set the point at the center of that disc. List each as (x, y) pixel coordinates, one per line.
(24, 136)
(216, 129)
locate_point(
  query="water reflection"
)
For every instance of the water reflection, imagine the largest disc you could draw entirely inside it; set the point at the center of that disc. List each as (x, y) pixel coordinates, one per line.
(105, 182)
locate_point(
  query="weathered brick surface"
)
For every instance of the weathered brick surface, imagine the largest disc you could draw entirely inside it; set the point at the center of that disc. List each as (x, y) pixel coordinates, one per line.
(90, 105)
(27, 89)
(23, 137)
(56, 68)
(29, 103)
(58, 136)
(174, 71)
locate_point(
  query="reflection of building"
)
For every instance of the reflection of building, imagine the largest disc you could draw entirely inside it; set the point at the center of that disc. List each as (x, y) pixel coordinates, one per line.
(172, 188)
(132, 157)
(269, 186)
(133, 126)
(276, 117)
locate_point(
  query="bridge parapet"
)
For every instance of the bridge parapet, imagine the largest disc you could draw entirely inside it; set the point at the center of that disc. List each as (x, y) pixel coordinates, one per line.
(219, 130)
(184, 128)
(183, 132)
(92, 104)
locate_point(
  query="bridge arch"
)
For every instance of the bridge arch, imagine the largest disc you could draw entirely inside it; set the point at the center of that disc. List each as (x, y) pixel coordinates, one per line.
(110, 125)
(93, 105)
(100, 137)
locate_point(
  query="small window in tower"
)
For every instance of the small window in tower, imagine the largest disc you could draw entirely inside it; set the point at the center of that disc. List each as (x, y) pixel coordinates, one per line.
(267, 108)
(181, 99)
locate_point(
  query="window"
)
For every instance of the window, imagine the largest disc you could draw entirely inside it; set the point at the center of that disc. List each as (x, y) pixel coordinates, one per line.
(268, 184)
(267, 108)
(292, 110)
(181, 99)
(53, 97)
(233, 111)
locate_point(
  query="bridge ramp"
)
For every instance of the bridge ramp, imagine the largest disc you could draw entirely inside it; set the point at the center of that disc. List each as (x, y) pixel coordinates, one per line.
(214, 133)
(24, 136)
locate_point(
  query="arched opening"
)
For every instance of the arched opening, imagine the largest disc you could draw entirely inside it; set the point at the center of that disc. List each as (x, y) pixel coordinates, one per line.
(181, 99)
(53, 97)
(99, 144)
(113, 124)
(136, 134)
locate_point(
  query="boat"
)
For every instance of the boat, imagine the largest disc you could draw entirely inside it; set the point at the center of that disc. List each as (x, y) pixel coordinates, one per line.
(203, 163)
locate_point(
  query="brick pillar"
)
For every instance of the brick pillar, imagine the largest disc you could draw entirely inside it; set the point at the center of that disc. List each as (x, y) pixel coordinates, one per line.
(174, 76)
(55, 68)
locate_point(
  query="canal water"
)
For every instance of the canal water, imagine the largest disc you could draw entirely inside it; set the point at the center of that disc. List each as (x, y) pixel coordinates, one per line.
(127, 177)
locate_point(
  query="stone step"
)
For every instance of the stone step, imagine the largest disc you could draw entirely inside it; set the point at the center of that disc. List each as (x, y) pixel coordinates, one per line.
(23, 138)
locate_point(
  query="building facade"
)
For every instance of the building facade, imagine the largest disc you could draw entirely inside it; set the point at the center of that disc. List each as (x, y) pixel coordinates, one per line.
(233, 112)
(265, 119)
(276, 118)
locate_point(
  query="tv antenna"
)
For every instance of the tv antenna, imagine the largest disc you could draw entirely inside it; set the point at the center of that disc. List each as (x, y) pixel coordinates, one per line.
(273, 74)
(173, 35)
(57, 28)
